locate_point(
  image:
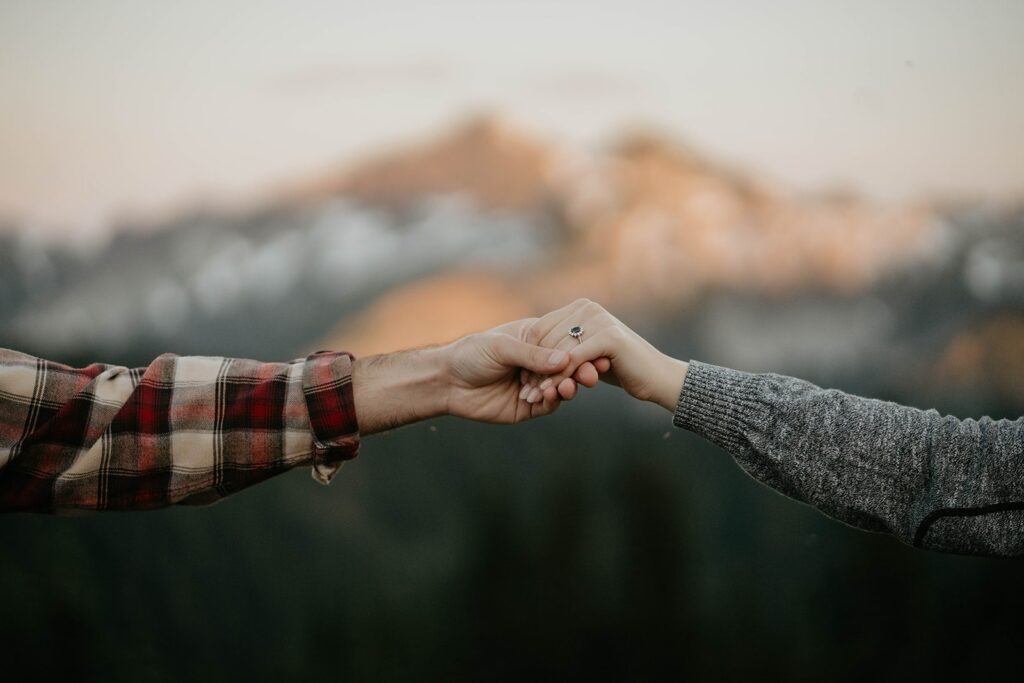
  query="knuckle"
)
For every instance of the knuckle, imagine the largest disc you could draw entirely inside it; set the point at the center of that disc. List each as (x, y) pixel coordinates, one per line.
(502, 342)
(582, 302)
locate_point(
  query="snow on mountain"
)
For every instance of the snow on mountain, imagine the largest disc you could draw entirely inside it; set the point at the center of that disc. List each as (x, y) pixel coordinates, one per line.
(422, 244)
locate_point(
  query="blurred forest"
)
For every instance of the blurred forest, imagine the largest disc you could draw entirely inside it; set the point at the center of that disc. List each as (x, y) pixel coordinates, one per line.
(600, 542)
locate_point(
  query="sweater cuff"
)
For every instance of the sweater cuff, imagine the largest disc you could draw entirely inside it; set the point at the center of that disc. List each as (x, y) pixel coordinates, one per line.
(327, 385)
(719, 404)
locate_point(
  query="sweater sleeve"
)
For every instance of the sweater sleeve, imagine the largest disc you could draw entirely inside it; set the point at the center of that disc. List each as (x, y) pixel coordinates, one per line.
(932, 481)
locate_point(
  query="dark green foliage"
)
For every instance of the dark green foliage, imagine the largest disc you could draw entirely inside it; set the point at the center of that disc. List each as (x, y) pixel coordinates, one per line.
(591, 545)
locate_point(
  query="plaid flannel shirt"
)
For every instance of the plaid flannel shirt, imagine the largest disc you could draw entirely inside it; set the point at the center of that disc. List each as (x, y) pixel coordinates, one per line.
(185, 430)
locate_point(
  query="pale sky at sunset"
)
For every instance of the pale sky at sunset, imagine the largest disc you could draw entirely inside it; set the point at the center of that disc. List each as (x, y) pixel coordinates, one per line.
(111, 107)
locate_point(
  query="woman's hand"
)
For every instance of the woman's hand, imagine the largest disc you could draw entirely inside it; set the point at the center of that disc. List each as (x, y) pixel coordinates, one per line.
(606, 347)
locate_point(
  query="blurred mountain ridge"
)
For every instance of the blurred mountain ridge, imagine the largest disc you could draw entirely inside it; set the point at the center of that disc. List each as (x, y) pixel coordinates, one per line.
(486, 222)
(484, 157)
(645, 224)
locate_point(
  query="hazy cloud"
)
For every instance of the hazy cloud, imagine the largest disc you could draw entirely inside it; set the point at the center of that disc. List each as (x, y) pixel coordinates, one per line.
(367, 75)
(587, 83)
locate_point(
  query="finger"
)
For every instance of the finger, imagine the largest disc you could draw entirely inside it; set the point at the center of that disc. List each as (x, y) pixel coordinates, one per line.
(526, 383)
(546, 391)
(555, 319)
(591, 317)
(603, 367)
(601, 345)
(518, 354)
(558, 336)
(545, 407)
(566, 344)
(567, 389)
(552, 330)
(529, 381)
(586, 375)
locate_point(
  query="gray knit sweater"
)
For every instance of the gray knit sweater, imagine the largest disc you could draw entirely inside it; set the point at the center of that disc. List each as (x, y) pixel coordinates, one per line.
(932, 481)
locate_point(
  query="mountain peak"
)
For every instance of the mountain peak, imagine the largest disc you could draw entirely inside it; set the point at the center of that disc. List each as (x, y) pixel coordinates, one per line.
(484, 158)
(646, 143)
(488, 129)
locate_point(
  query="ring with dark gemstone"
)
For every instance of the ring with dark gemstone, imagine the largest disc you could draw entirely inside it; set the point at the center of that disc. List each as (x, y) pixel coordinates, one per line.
(576, 332)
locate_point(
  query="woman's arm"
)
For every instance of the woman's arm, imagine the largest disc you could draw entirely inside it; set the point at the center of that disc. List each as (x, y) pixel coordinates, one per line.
(932, 481)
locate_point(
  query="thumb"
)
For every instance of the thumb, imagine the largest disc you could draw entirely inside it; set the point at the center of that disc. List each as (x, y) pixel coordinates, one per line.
(511, 352)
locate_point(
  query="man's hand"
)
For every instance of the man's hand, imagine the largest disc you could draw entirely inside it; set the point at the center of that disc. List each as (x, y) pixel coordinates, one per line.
(476, 377)
(484, 377)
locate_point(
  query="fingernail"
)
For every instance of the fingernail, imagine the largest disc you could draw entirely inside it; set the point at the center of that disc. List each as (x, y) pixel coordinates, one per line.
(524, 391)
(546, 383)
(556, 357)
(534, 396)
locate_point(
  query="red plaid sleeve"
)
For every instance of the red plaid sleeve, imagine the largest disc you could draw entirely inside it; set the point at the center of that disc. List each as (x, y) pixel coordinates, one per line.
(327, 383)
(184, 429)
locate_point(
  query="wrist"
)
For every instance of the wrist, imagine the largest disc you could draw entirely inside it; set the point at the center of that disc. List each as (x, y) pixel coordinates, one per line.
(395, 389)
(671, 377)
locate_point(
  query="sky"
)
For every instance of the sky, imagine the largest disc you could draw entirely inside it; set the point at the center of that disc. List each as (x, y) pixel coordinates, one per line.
(110, 109)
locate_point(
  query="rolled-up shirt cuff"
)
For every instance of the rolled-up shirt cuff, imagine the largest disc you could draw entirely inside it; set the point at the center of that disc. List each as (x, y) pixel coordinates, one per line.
(327, 385)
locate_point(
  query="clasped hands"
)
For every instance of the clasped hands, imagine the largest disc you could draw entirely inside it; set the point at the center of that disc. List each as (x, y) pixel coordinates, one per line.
(517, 371)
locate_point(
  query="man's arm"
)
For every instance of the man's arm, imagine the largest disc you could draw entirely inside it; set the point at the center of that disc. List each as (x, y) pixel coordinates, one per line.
(476, 378)
(181, 430)
(191, 430)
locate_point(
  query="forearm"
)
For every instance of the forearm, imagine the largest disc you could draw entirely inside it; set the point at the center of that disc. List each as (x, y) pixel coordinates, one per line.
(933, 481)
(399, 388)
